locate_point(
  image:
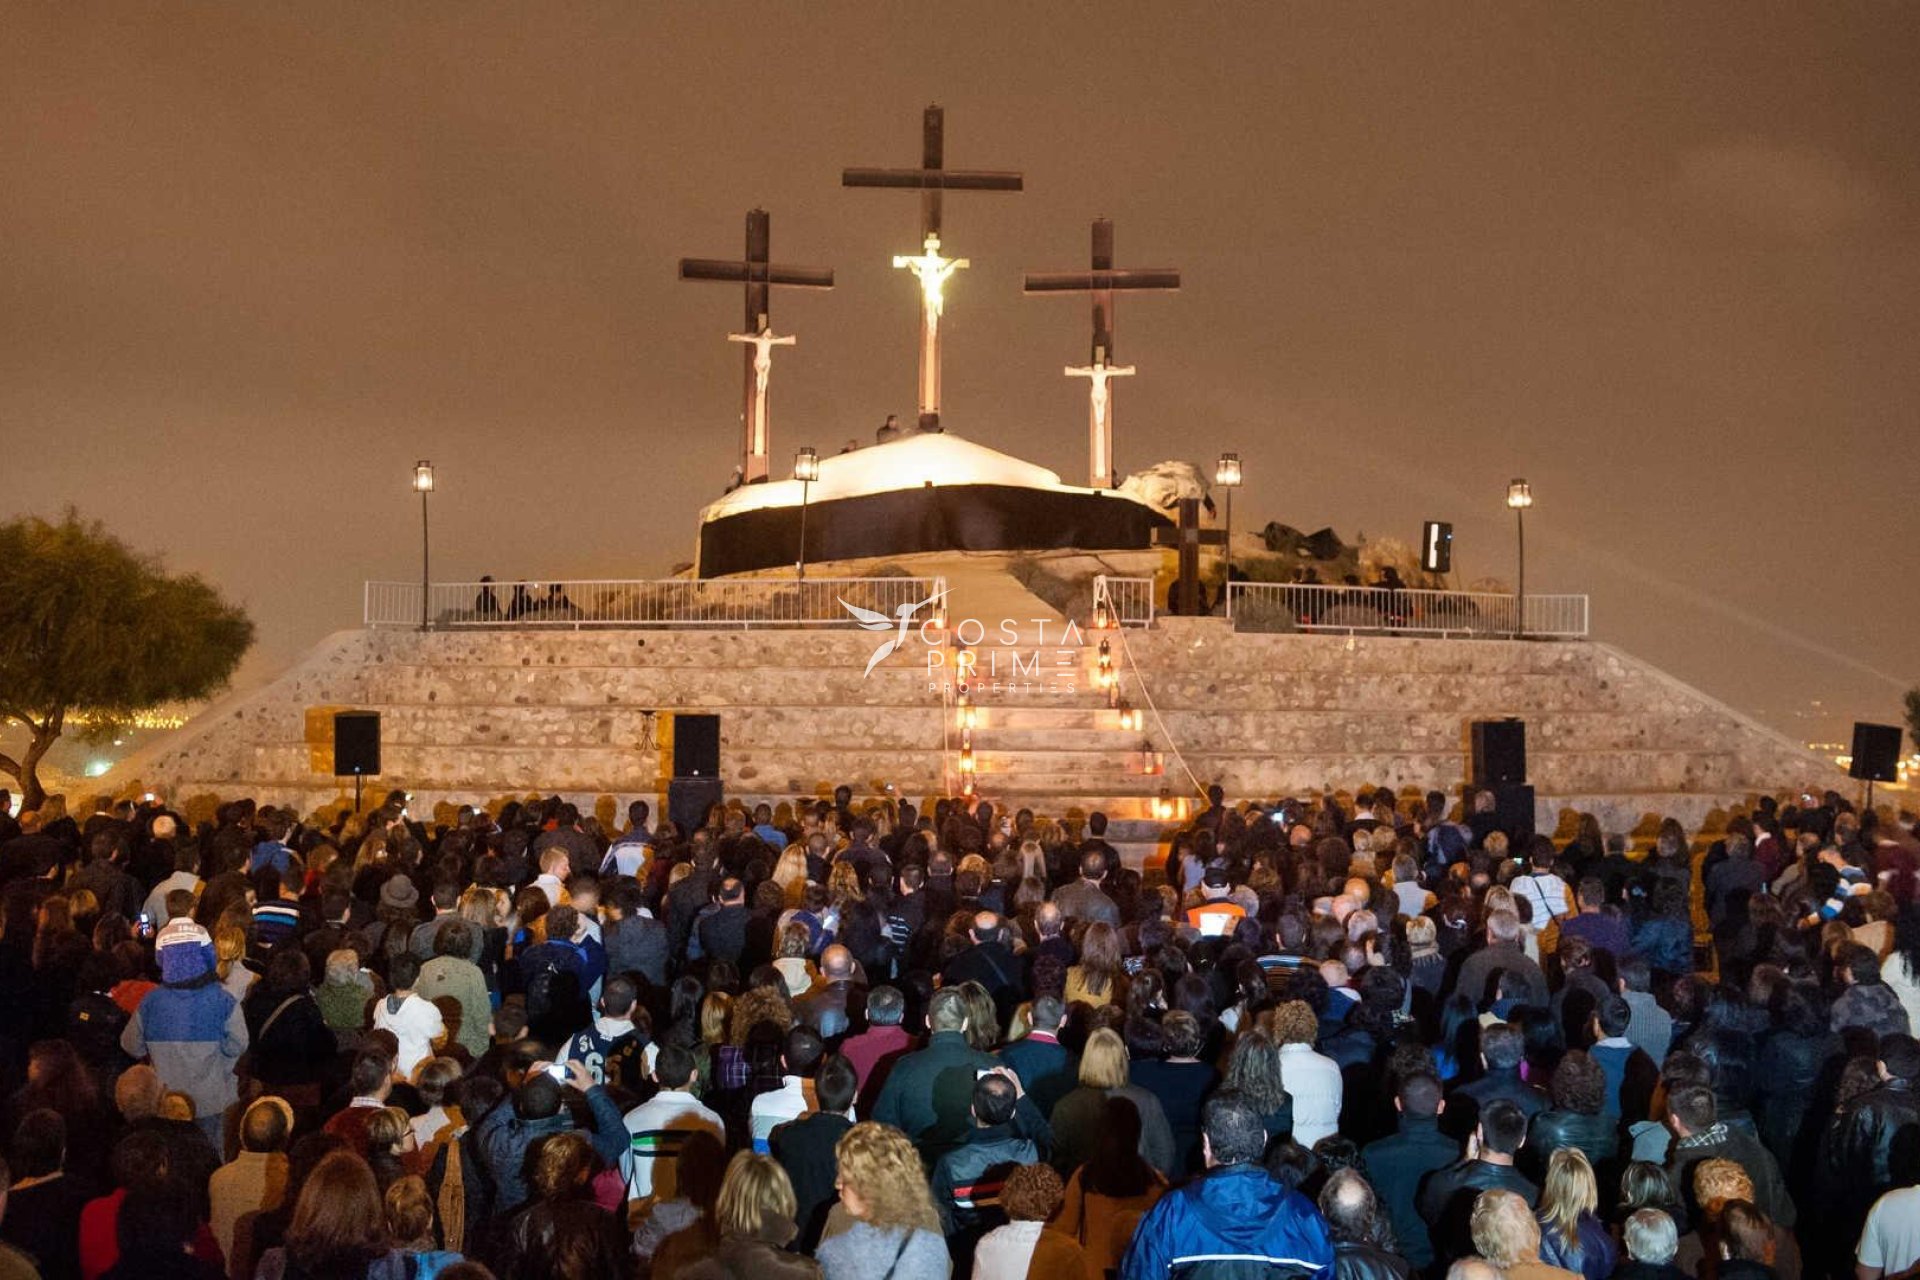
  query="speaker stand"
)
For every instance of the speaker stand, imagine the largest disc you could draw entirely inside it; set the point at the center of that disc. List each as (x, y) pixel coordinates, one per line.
(356, 795)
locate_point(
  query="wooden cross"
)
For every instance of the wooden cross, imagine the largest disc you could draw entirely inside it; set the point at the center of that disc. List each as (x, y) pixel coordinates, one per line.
(1188, 538)
(761, 277)
(929, 267)
(1102, 281)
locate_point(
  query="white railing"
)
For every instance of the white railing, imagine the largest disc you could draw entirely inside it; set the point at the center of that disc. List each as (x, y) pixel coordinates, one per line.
(723, 603)
(1285, 606)
(1129, 601)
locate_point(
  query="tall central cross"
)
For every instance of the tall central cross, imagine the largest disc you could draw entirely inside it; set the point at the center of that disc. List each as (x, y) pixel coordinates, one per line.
(929, 266)
(1102, 281)
(761, 277)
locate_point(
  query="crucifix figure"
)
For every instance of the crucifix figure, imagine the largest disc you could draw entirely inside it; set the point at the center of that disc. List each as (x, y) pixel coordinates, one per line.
(763, 344)
(929, 267)
(1102, 281)
(760, 277)
(1188, 539)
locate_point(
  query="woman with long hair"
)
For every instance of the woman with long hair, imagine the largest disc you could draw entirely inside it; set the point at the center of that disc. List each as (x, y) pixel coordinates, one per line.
(229, 953)
(883, 1190)
(1571, 1235)
(1077, 1118)
(339, 1227)
(983, 1017)
(1253, 1070)
(1096, 979)
(1108, 1195)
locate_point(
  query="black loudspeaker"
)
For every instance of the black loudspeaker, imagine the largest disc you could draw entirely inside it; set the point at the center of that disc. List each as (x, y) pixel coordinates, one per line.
(1513, 806)
(689, 799)
(356, 744)
(696, 746)
(1876, 753)
(1499, 752)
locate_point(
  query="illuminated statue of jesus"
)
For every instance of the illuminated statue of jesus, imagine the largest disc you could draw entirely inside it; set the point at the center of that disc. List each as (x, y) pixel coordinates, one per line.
(933, 272)
(1100, 416)
(763, 344)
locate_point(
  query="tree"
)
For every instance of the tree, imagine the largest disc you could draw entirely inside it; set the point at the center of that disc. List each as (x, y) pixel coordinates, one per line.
(90, 627)
(1913, 717)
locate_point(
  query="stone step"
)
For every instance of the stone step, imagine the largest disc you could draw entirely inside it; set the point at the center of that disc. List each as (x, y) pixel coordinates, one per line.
(906, 728)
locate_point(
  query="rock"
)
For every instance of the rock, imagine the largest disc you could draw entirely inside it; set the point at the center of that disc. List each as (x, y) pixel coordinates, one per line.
(1162, 485)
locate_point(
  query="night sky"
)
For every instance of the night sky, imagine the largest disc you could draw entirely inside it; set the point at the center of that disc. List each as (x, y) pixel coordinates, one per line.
(1661, 260)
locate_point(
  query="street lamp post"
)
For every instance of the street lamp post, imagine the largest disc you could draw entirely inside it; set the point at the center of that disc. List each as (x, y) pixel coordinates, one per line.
(1520, 497)
(423, 485)
(1226, 474)
(806, 469)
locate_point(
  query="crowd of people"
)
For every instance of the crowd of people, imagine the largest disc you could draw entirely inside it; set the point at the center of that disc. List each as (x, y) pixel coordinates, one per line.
(1363, 1037)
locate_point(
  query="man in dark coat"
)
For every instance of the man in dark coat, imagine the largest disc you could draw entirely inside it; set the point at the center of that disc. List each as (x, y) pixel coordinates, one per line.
(1447, 1196)
(1397, 1165)
(991, 963)
(1501, 1049)
(805, 1148)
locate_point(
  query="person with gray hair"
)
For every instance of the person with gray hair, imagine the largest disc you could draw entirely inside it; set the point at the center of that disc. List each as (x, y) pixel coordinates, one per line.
(1474, 1269)
(929, 1095)
(1503, 954)
(344, 995)
(1651, 1241)
(885, 1042)
(1362, 1240)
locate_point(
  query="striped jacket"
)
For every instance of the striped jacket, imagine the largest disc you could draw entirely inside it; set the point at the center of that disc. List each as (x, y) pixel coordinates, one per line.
(658, 1130)
(967, 1180)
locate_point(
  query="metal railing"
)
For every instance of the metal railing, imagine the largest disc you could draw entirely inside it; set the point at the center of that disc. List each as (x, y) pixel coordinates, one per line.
(1285, 606)
(1128, 600)
(713, 603)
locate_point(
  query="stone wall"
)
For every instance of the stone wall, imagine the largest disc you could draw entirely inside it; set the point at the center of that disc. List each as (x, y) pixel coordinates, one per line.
(476, 716)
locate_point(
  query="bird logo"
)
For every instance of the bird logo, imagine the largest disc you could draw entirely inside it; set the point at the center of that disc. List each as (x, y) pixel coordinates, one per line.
(872, 620)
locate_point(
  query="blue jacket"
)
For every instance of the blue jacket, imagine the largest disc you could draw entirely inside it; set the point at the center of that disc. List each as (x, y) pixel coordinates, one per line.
(1233, 1223)
(191, 1027)
(504, 1139)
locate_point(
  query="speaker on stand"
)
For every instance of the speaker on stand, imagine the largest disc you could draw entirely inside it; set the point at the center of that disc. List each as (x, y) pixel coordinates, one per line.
(1499, 765)
(1876, 755)
(356, 747)
(695, 787)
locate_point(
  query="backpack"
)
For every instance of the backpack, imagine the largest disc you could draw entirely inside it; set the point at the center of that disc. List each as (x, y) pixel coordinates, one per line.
(542, 985)
(94, 1024)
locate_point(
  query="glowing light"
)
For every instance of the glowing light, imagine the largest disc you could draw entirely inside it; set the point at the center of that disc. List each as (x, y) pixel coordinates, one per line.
(1519, 494)
(423, 476)
(1226, 473)
(933, 272)
(96, 768)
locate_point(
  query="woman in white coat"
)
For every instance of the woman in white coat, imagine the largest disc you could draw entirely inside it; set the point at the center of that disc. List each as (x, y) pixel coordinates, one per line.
(1312, 1079)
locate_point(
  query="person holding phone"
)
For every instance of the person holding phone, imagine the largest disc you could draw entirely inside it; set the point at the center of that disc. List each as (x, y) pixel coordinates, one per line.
(540, 1111)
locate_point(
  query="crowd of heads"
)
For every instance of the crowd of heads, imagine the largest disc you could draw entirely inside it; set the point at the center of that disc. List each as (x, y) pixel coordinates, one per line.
(1616, 1049)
